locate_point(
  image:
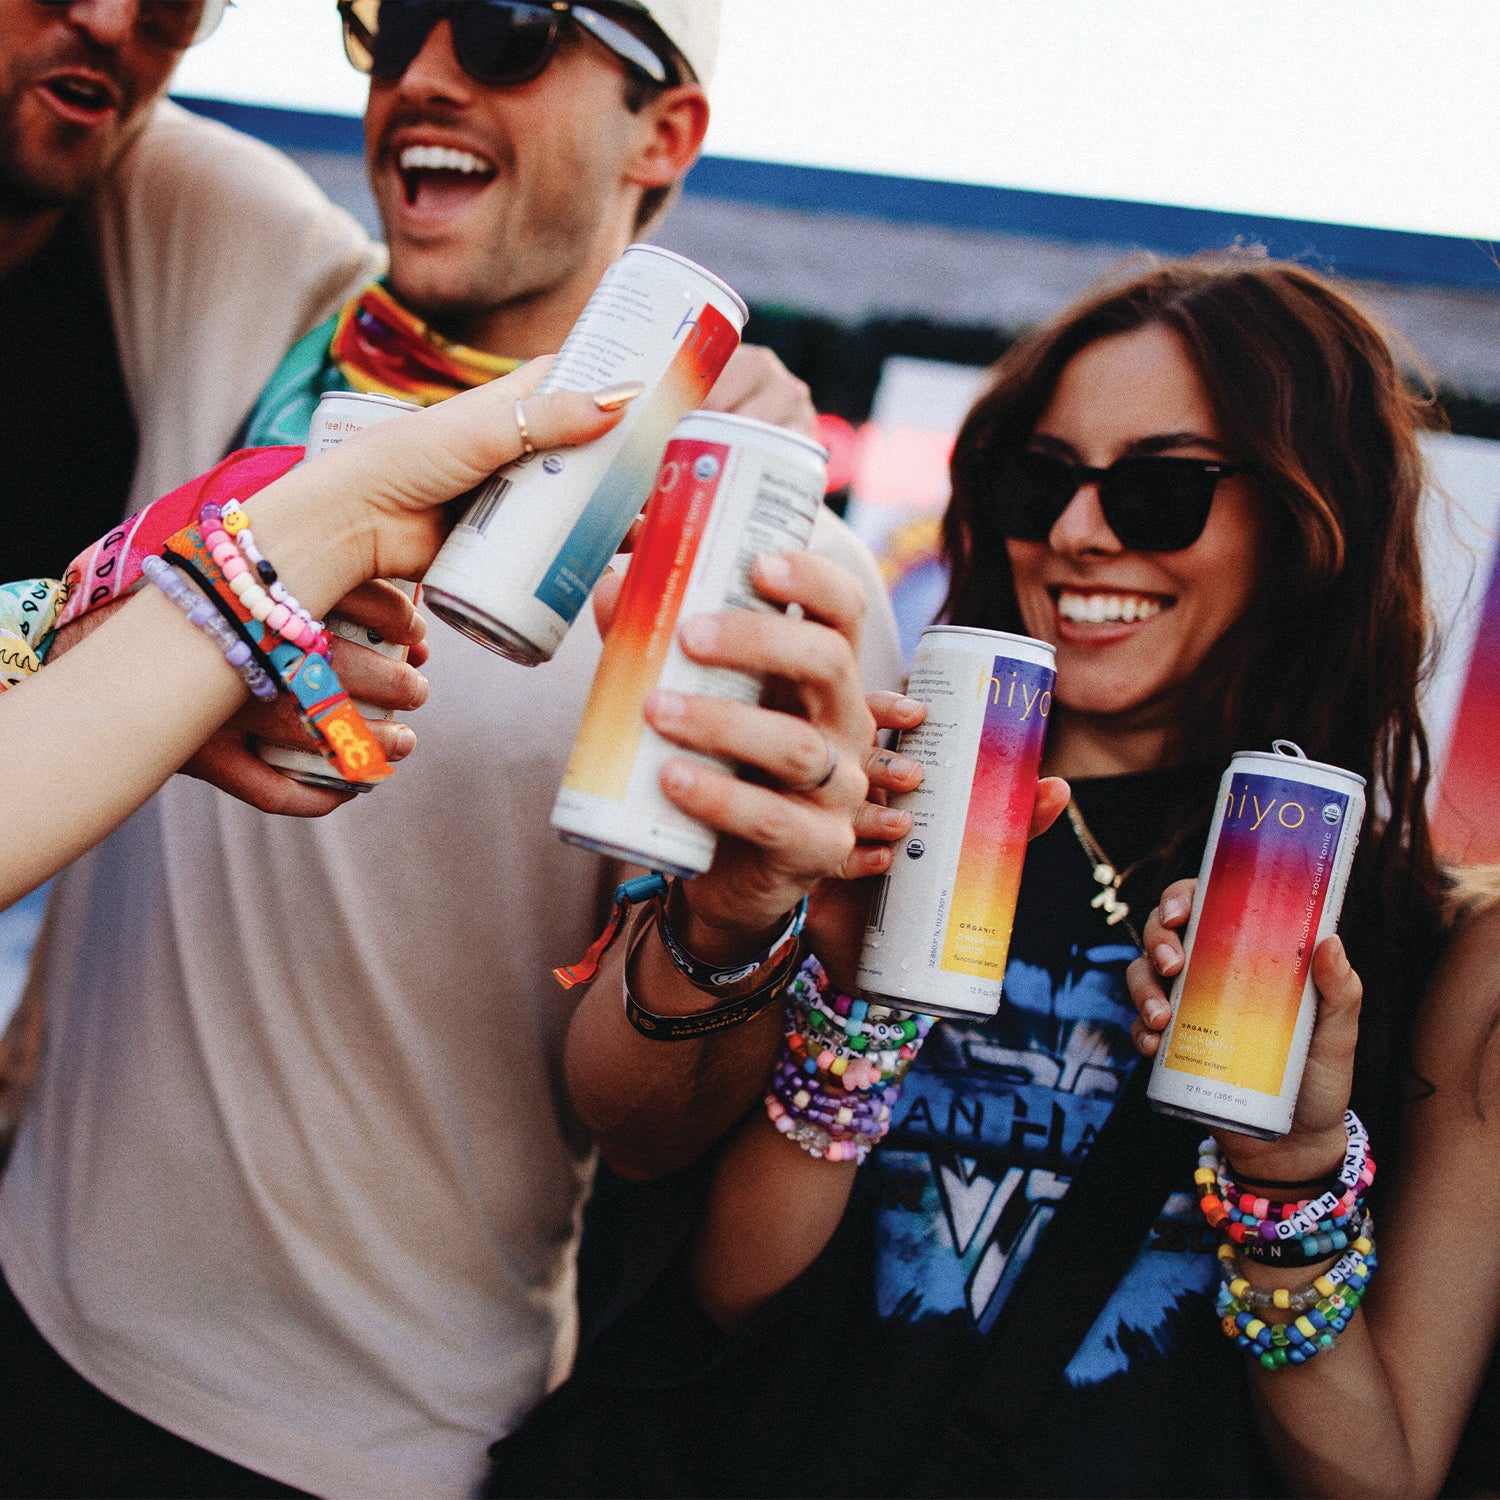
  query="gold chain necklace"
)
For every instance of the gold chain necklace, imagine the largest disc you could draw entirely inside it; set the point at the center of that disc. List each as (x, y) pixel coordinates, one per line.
(1110, 880)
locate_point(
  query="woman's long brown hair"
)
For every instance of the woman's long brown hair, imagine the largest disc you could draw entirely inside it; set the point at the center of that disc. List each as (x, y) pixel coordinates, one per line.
(1332, 649)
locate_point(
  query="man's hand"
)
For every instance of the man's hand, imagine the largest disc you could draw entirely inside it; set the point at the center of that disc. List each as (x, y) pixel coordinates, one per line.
(756, 384)
(228, 760)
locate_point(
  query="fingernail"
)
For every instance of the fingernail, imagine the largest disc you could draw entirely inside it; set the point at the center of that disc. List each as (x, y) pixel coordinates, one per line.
(1173, 909)
(892, 820)
(774, 570)
(679, 776)
(905, 705)
(700, 633)
(900, 766)
(1157, 1013)
(1165, 955)
(613, 397)
(666, 708)
(405, 742)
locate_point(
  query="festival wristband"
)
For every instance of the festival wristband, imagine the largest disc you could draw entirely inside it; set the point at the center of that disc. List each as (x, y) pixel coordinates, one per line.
(324, 708)
(721, 980)
(730, 1013)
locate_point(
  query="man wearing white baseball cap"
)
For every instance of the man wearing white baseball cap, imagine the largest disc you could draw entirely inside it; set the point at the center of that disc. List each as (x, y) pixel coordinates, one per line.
(296, 1202)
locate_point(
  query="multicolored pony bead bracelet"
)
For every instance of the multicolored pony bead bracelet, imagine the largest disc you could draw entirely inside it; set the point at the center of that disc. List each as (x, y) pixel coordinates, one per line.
(840, 1069)
(308, 676)
(1316, 1327)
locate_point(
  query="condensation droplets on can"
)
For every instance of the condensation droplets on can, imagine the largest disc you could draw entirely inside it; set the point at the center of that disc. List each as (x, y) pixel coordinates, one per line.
(729, 489)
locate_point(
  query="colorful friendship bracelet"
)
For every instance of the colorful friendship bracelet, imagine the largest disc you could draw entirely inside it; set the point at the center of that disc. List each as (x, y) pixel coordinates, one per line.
(231, 544)
(324, 708)
(834, 1099)
(207, 618)
(1310, 1332)
(1265, 1299)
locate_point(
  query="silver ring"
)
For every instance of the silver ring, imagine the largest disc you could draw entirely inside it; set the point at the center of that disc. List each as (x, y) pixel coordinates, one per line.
(527, 446)
(826, 777)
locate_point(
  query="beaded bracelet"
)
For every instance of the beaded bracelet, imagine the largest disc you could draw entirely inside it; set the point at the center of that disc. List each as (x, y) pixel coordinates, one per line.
(231, 544)
(207, 618)
(1312, 1330)
(1264, 1299)
(830, 1100)
(325, 709)
(1245, 1217)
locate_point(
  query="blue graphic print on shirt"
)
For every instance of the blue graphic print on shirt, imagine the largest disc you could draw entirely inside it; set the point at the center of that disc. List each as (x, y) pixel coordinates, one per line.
(994, 1120)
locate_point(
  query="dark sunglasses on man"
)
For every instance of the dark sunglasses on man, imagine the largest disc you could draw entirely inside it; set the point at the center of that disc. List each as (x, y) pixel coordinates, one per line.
(1152, 503)
(496, 41)
(170, 23)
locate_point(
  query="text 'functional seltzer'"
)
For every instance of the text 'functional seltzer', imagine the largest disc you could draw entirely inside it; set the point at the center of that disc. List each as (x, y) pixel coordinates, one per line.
(516, 570)
(940, 927)
(340, 414)
(1269, 891)
(729, 489)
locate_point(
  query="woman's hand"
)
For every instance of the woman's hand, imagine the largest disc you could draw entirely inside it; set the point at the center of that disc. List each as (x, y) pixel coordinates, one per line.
(374, 505)
(1314, 1147)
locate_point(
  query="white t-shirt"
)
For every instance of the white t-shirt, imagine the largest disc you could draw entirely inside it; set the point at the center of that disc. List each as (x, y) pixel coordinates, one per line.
(298, 1181)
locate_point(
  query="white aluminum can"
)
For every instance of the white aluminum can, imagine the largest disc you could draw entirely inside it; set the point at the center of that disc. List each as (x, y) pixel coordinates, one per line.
(729, 489)
(516, 570)
(1269, 891)
(338, 415)
(939, 929)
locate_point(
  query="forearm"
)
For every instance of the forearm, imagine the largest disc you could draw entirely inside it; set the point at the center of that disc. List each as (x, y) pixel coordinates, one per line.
(656, 1106)
(771, 1211)
(92, 736)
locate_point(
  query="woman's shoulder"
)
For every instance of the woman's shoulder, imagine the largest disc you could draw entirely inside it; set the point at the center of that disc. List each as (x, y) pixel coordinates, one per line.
(1458, 1031)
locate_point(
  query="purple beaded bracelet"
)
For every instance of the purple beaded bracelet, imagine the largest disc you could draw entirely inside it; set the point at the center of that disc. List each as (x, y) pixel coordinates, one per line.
(208, 619)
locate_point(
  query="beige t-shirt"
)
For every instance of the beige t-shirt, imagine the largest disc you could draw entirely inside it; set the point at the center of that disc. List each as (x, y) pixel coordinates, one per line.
(298, 1181)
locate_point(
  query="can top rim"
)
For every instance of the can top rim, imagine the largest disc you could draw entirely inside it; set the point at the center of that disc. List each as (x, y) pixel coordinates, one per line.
(755, 424)
(376, 396)
(991, 635)
(703, 271)
(1288, 763)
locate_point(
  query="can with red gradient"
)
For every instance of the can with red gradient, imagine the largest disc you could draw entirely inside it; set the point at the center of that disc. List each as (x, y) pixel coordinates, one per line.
(1269, 891)
(939, 928)
(729, 489)
(518, 567)
(340, 414)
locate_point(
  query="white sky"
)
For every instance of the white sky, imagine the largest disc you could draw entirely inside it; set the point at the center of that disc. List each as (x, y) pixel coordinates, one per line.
(1379, 112)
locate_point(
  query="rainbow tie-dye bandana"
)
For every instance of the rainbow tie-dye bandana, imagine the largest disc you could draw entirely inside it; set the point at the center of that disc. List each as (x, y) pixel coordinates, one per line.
(372, 345)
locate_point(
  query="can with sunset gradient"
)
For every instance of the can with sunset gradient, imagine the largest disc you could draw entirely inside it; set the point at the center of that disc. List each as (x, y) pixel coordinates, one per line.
(340, 414)
(518, 567)
(939, 928)
(1269, 891)
(729, 489)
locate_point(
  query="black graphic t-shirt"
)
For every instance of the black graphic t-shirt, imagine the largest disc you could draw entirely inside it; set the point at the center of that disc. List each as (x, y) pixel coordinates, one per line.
(945, 1343)
(997, 1115)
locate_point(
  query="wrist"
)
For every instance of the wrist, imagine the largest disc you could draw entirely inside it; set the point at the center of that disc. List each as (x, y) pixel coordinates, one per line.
(1288, 1170)
(718, 940)
(320, 545)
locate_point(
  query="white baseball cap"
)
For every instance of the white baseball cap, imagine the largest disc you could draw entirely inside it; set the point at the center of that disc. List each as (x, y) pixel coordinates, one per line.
(692, 26)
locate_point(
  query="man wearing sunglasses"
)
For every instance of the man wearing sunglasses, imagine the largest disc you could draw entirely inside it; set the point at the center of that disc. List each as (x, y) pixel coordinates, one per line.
(330, 1186)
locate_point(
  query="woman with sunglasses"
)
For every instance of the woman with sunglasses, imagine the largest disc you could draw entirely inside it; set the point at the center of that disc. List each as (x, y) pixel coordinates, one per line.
(1200, 485)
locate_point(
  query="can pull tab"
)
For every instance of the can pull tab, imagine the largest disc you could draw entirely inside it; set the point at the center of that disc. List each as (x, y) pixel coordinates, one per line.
(1289, 748)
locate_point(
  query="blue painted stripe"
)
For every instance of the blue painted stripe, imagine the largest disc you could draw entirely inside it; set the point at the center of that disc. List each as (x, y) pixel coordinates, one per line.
(1376, 254)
